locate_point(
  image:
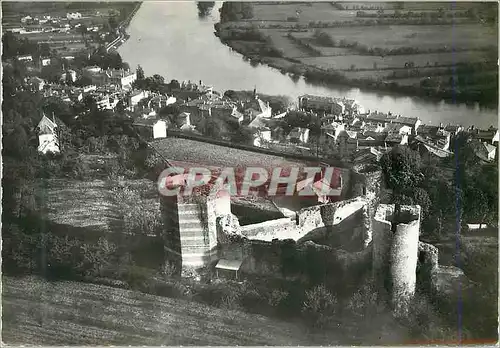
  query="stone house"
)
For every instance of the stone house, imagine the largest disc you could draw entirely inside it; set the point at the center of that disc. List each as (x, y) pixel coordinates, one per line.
(151, 128)
(299, 135)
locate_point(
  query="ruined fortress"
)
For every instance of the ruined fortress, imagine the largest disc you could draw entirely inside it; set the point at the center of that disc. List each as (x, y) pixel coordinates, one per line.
(345, 238)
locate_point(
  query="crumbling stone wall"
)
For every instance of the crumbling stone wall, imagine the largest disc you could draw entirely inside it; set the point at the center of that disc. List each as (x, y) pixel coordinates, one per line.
(367, 182)
(328, 214)
(395, 254)
(283, 228)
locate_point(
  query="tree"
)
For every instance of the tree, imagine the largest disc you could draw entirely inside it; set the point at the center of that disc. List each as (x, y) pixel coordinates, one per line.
(174, 84)
(401, 169)
(171, 109)
(68, 79)
(204, 8)
(113, 23)
(10, 45)
(230, 94)
(140, 73)
(83, 81)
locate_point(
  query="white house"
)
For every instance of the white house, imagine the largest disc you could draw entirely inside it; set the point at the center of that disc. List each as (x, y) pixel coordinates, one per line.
(89, 88)
(72, 74)
(299, 134)
(93, 69)
(122, 78)
(107, 102)
(151, 128)
(265, 109)
(73, 15)
(263, 135)
(25, 58)
(47, 136)
(490, 151)
(184, 118)
(45, 61)
(137, 96)
(26, 19)
(495, 138)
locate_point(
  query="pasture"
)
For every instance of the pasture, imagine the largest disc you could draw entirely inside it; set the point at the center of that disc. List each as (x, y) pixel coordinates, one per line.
(413, 6)
(320, 11)
(466, 36)
(398, 62)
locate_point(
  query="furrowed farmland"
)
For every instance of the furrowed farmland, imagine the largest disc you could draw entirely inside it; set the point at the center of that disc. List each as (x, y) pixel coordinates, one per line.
(69, 313)
(371, 44)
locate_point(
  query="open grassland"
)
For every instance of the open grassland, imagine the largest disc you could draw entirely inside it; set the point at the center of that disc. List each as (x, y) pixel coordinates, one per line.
(70, 313)
(465, 36)
(395, 62)
(406, 6)
(321, 11)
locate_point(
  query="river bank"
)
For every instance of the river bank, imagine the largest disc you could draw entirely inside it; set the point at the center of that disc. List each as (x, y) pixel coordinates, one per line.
(486, 97)
(326, 45)
(122, 29)
(172, 40)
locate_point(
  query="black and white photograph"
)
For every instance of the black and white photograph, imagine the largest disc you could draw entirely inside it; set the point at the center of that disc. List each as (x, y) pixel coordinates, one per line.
(249, 173)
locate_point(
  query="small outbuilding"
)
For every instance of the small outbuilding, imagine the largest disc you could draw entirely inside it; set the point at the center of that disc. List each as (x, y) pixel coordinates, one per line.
(228, 268)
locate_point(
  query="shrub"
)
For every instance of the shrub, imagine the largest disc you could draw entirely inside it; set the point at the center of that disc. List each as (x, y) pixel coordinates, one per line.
(97, 257)
(365, 302)
(168, 270)
(320, 304)
(230, 301)
(19, 250)
(277, 297)
(425, 323)
(135, 277)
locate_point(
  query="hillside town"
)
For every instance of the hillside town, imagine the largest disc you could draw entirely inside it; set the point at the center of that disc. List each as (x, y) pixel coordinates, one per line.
(333, 127)
(394, 240)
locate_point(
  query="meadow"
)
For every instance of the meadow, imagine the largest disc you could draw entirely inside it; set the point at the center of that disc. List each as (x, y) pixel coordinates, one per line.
(465, 36)
(346, 62)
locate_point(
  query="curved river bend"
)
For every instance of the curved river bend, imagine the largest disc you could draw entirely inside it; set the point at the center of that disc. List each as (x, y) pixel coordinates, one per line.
(168, 38)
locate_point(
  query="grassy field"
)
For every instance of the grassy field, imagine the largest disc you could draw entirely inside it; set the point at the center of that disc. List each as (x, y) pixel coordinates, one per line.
(88, 204)
(469, 36)
(398, 62)
(321, 11)
(413, 6)
(462, 40)
(69, 313)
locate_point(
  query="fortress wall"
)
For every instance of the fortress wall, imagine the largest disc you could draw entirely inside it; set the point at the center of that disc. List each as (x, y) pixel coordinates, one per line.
(283, 228)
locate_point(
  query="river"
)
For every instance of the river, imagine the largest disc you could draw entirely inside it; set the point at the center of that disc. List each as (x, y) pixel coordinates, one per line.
(168, 38)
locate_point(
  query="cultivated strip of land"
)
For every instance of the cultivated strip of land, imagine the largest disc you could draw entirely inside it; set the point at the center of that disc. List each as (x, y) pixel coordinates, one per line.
(69, 313)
